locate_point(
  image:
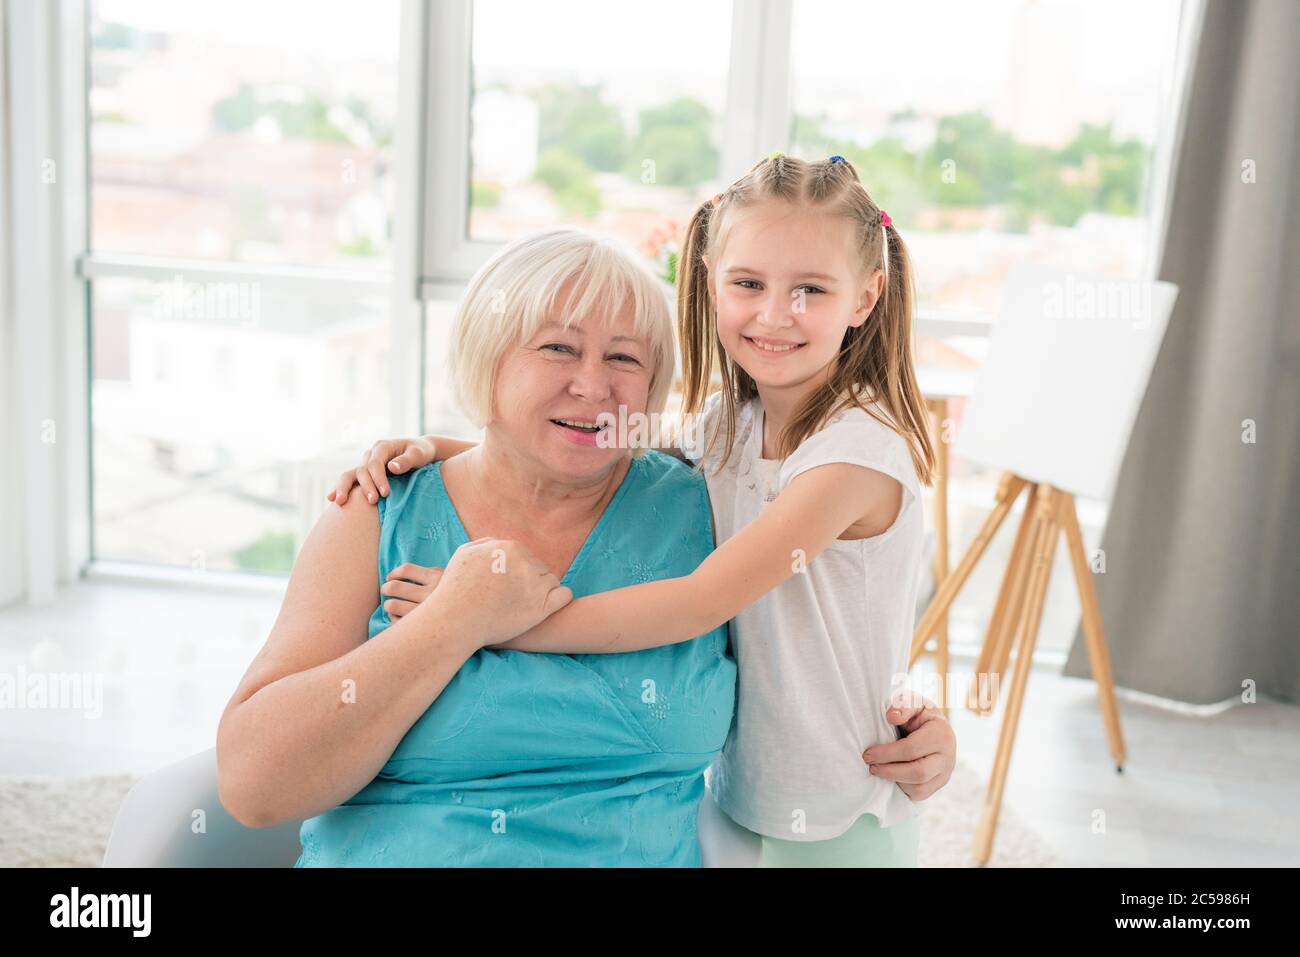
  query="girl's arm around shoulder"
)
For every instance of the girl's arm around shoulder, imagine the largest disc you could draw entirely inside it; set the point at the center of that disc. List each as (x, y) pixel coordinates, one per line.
(816, 507)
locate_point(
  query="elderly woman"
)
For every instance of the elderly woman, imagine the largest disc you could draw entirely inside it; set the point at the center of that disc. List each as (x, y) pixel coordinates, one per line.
(411, 741)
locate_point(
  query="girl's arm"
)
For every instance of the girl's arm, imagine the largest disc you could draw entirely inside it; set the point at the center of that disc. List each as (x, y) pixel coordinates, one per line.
(401, 456)
(812, 511)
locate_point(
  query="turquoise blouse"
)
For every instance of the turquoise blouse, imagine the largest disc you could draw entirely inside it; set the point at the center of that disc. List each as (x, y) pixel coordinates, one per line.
(531, 760)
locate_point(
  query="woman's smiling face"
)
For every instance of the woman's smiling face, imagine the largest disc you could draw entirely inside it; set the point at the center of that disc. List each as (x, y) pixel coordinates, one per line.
(595, 366)
(787, 289)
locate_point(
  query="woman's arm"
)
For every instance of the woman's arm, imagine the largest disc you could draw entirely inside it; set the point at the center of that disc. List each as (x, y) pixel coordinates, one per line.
(812, 511)
(321, 709)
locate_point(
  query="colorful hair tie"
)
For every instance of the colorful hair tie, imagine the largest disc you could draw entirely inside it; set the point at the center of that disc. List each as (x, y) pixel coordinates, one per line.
(775, 154)
(837, 158)
(884, 219)
(717, 198)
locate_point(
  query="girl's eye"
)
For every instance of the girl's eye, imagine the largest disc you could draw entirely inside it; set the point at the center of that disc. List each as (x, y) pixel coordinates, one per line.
(754, 284)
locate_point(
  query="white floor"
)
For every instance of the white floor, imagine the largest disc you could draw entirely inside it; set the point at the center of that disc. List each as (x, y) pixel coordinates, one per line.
(1198, 789)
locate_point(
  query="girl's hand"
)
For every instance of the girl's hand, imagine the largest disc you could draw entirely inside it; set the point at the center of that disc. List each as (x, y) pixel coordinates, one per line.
(497, 590)
(386, 455)
(922, 761)
(406, 586)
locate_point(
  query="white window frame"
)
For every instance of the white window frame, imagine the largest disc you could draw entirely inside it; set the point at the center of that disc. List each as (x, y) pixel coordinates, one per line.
(399, 282)
(44, 65)
(45, 86)
(755, 121)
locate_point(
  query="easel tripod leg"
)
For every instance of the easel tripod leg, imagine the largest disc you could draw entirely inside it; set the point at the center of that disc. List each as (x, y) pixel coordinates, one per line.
(980, 698)
(1094, 634)
(939, 407)
(1001, 654)
(1008, 489)
(1044, 549)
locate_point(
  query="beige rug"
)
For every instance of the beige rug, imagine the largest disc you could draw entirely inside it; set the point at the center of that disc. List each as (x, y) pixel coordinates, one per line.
(65, 822)
(58, 822)
(948, 823)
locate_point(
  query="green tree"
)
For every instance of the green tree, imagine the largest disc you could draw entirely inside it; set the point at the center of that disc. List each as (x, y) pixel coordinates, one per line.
(678, 137)
(1033, 183)
(570, 181)
(107, 35)
(272, 552)
(1035, 178)
(306, 119)
(237, 111)
(890, 173)
(578, 120)
(484, 194)
(979, 158)
(1121, 168)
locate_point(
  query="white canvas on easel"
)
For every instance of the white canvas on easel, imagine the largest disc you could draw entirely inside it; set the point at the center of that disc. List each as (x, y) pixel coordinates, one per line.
(1068, 364)
(1067, 367)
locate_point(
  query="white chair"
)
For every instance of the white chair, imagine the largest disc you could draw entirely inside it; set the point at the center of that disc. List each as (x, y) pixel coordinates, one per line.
(155, 824)
(155, 827)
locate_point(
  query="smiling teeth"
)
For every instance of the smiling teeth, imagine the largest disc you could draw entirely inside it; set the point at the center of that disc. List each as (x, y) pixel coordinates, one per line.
(593, 426)
(767, 348)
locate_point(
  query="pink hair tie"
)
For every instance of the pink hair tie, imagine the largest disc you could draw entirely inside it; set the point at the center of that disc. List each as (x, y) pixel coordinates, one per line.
(884, 219)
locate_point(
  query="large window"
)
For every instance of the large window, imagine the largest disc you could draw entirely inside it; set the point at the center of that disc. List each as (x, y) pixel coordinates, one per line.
(578, 116)
(994, 133)
(216, 409)
(254, 291)
(250, 131)
(229, 146)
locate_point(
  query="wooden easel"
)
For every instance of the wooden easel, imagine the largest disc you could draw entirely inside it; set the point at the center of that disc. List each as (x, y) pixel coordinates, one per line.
(1017, 615)
(938, 406)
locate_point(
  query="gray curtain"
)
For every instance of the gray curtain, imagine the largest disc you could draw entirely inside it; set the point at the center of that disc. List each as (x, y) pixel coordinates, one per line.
(1202, 584)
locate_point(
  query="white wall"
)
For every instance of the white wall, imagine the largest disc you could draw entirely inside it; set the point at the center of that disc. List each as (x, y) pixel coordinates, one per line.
(11, 580)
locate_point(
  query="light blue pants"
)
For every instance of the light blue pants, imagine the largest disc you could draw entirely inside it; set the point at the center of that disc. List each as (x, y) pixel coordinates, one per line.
(865, 844)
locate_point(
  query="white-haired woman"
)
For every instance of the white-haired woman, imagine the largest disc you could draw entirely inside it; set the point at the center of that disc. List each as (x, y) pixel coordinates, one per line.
(410, 741)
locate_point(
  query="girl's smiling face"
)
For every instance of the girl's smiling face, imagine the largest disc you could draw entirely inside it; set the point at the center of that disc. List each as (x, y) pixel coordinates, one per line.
(787, 287)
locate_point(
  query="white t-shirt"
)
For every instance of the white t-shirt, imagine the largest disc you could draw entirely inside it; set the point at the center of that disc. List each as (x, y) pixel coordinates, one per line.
(818, 654)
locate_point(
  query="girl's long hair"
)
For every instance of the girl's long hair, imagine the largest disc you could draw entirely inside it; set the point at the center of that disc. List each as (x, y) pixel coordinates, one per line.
(874, 370)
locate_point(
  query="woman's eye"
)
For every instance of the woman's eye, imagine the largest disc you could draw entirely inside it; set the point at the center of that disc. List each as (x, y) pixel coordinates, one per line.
(557, 345)
(626, 358)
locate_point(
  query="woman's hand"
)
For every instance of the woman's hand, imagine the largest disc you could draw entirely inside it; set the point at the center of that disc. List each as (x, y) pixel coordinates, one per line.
(386, 455)
(406, 586)
(497, 590)
(922, 761)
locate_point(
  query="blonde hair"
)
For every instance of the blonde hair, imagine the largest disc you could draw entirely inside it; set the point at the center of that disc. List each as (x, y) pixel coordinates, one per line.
(516, 291)
(875, 360)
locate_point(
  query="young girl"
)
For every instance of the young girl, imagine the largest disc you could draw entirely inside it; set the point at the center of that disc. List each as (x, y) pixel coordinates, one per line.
(795, 283)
